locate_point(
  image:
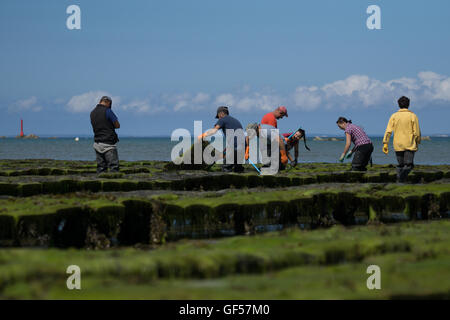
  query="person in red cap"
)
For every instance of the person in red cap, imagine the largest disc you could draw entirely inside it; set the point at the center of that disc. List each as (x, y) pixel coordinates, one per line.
(272, 117)
(269, 121)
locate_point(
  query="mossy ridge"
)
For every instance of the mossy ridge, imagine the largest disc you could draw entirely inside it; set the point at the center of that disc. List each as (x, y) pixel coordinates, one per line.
(113, 182)
(249, 212)
(408, 278)
(101, 222)
(416, 242)
(65, 227)
(9, 189)
(252, 197)
(136, 224)
(46, 172)
(60, 222)
(11, 164)
(323, 208)
(316, 167)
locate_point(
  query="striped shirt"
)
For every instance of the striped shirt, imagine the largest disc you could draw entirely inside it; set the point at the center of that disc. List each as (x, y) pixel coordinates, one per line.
(359, 137)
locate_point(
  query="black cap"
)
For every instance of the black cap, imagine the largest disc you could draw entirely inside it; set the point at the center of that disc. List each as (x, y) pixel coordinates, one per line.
(106, 98)
(222, 109)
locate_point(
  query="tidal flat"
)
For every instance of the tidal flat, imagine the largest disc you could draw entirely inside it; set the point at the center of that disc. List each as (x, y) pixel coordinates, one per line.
(156, 231)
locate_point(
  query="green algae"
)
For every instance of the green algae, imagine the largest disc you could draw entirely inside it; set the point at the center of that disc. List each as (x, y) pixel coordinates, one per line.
(309, 196)
(115, 182)
(235, 212)
(413, 257)
(415, 280)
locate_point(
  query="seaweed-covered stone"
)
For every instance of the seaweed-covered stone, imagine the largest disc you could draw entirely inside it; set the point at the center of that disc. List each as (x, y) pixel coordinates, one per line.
(30, 189)
(69, 185)
(105, 221)
(91, 185)
(9, 189)
(144, 185)
(283, 181)
(113, 175)
(254, 181)
(135, 227)
(111, 185)
(7, 230)
(200, 220)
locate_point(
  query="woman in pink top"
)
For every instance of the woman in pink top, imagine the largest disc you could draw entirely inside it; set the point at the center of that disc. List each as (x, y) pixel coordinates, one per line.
(363, 146)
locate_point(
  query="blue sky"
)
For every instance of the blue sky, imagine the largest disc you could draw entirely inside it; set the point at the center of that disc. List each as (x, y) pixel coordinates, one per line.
(168, 63)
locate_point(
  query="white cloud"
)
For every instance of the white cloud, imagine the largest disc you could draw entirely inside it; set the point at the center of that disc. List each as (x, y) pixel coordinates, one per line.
(363, 91)
(409, 83)
(247, 101)
(201, 98)
(225, 99)
(437, 86)
(25, 105)
(355, 91)
(347, 86)
(258, 101)
(87, 101)
(141, 106)
(186, 101)
(307, 98)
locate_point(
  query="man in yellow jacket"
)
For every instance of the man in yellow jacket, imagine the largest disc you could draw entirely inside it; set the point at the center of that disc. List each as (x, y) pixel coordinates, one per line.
(405, 125)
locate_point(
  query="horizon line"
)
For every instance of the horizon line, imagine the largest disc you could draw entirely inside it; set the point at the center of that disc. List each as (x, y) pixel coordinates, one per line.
(313, 134)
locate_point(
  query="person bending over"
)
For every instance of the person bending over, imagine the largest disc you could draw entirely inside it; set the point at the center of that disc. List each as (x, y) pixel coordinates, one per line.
(227, 122)
(363, 145)
(291, 140)
(268, 122)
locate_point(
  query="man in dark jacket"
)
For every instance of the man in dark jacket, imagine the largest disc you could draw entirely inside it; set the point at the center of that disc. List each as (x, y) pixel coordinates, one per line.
(236, 141)
(104, 122)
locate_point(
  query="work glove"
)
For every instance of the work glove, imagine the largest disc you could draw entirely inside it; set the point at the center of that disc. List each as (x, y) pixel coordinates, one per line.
(246, 153)
(341, 159)
(385, 148)
(349, 154)
(284, 158)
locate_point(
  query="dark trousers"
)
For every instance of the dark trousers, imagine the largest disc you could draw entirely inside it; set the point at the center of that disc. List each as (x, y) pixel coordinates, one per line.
(405, 161)
(361, 157)
(109, 159)
(235, 166)
(269, 155)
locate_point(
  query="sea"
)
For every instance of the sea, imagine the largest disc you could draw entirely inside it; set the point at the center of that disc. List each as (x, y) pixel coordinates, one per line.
(432, 152)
